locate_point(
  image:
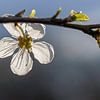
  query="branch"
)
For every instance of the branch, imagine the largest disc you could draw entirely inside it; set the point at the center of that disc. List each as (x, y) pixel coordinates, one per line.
(49, 21)
(67, 22)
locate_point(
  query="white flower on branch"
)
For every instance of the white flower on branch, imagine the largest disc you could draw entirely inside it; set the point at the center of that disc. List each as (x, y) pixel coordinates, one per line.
(23, 39)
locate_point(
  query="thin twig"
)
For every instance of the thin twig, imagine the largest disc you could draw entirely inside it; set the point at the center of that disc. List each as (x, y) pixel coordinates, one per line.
(57, 13)
(49, 21)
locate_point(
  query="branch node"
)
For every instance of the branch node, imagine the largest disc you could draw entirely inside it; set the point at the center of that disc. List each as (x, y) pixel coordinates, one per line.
(68, 19)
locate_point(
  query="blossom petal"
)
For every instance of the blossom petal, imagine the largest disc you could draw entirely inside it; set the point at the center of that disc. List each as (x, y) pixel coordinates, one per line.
(7, 47)
(43, 52)
(36, 30)
(11, 28)
(21, 62)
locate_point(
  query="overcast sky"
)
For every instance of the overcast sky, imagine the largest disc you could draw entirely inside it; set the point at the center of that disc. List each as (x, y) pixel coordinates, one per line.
(74, 73)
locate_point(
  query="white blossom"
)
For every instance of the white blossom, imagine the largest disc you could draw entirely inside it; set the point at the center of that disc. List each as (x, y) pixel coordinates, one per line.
(23, 37)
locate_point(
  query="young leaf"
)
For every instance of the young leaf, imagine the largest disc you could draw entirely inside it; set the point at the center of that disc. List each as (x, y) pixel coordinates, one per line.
(96, 35)
(78, 16)
(32, 14)
(98, 41)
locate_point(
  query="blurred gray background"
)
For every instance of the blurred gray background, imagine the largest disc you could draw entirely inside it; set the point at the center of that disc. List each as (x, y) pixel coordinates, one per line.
(74, 73)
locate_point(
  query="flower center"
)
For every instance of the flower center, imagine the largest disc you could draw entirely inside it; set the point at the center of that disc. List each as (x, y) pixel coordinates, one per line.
(25, 42)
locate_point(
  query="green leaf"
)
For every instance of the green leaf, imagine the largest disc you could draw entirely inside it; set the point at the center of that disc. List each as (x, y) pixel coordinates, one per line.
(32, 14)
(78, 16)
(96, 35)
(98, 41)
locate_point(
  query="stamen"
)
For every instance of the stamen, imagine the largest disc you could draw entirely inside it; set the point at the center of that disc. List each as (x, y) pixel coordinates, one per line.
(25, 42)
